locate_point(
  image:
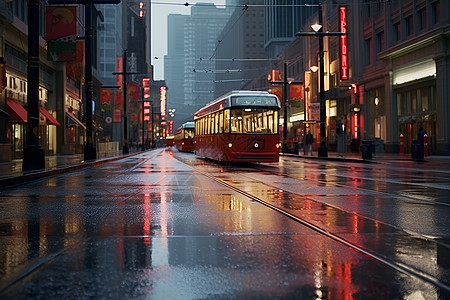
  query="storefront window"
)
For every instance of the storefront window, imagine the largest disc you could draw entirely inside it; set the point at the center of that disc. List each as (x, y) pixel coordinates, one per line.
(17, 136)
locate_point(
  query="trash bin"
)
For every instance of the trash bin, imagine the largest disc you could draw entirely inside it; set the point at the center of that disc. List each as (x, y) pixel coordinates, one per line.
(296, 147)
(341, 143)
(417, 150)
(366, 149)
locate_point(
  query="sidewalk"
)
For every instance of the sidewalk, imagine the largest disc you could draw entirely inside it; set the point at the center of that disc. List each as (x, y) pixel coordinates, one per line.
(11, 172)
(437, 162)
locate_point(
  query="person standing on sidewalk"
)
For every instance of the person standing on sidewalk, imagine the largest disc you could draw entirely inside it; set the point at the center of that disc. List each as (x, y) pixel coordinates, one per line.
(308, 142)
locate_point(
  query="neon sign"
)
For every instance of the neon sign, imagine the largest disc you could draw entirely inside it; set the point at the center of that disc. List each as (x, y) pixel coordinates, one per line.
(344, 49)
(163, 91)
(355, 125)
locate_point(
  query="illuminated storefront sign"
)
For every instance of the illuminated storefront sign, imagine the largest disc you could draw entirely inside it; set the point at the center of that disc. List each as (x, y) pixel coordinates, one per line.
(163, 92)
(344, 50)
(355, 125)
(415, 71)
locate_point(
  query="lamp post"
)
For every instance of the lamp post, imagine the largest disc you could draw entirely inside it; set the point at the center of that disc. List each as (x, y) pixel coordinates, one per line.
(318, 32)
(33, 154)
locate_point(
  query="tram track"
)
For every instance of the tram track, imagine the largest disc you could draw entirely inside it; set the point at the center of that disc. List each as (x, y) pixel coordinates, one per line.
(396, 264)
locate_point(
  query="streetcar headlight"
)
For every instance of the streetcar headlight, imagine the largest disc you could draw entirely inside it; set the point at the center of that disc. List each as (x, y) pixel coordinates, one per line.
(278, 145)
(230, 145)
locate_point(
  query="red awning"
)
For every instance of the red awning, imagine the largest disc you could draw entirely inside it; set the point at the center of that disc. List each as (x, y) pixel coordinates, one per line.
(73, 121)
(18, 114)
(49, 119)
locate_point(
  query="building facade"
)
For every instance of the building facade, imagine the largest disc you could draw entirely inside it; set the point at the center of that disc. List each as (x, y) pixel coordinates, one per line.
(397, 60)
(408, 66)
(61, 89)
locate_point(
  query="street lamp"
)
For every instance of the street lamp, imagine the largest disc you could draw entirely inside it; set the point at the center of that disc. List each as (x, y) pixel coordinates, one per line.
(318, 32)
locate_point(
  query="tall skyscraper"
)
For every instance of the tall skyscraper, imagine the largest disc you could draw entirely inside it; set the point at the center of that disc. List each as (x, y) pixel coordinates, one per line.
(241, 54)
(110, 40)
(282, 21)
(192, 38)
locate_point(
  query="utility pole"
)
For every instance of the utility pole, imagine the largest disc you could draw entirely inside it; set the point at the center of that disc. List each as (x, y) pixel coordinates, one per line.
(323, 151)
(124, 74)
(285, 84)
(90, 152)
(33, 154)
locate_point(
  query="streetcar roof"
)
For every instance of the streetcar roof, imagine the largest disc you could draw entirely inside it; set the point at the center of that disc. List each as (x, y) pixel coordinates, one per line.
(225, 101)
(188, 125)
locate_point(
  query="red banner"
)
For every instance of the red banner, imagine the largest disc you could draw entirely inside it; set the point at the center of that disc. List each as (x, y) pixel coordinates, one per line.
(118, 100)
(296, 91)
(119, 68)
(61, 21)
(116, 116)
(277, 91)
(105, 99)
(74, 69)
(133, 90)
(105, 96)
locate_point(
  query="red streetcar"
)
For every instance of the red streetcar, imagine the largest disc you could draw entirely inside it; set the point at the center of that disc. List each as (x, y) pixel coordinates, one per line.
(184, 137)
(241, 126)
(169, 141)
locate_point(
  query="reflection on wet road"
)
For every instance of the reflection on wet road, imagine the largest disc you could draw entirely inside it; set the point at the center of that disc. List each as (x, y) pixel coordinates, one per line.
(152, 227)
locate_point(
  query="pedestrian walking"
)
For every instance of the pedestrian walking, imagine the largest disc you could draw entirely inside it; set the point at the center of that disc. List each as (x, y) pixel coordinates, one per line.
(308, 142)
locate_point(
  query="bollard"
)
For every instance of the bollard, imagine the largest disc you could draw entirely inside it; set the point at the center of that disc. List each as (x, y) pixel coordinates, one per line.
(426, 140)
(401, 140)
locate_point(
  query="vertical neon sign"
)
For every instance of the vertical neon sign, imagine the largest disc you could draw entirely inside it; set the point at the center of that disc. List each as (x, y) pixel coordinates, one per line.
(355, 125)
(163, 91)
(344, 49)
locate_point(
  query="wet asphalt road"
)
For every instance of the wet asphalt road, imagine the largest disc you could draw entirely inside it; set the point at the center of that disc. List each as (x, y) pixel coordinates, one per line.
(167, 225)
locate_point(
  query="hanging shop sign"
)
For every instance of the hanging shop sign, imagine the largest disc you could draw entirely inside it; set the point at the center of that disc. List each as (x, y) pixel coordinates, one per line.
(343, 42)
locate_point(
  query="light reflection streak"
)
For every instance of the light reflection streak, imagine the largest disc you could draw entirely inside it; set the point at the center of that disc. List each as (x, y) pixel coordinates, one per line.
(160, 253)
(147, 219)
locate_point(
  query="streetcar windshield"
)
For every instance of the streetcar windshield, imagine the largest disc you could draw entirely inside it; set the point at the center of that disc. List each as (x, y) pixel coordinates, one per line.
(254, 101)
(189, 133)
(253, 120)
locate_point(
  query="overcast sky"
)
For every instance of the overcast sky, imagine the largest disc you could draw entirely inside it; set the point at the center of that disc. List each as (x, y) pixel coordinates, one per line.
(160, 10)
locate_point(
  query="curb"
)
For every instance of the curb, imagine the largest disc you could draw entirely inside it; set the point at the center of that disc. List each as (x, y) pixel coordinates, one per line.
(357, 160)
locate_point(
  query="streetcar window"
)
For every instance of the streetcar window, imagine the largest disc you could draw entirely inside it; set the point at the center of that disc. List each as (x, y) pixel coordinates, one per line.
(236, 121)
(221, 121)
(216, 121)
(254, 121)
(254, 101)
(188, 133)
(204, 125)
(208, 130)
(227, 121)
(212, 127)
